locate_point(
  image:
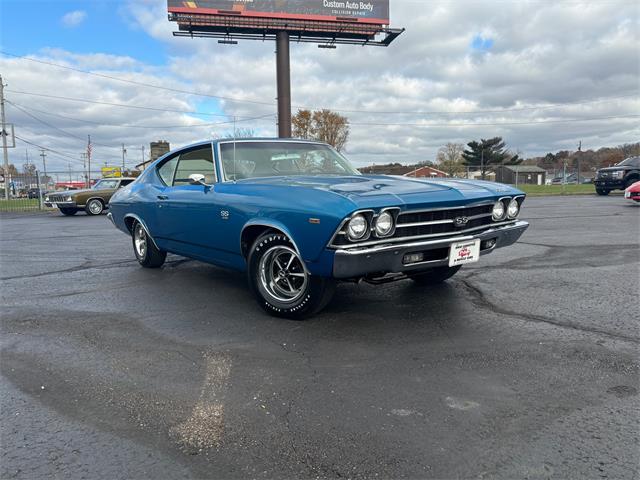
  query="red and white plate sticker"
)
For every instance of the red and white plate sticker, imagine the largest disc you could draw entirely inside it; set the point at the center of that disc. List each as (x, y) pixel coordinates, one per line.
(462, 253)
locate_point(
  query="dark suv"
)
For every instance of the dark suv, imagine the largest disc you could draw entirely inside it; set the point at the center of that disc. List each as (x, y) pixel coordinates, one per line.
(618, 177)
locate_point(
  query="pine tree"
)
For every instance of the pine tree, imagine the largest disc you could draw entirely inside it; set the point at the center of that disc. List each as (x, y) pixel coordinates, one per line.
(488, 153)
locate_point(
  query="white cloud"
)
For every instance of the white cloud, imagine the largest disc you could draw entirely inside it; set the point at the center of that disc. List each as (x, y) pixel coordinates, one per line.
(542, 53)
(74, 18)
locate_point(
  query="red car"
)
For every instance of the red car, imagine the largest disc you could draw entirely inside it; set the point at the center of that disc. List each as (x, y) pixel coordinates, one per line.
(633, 192)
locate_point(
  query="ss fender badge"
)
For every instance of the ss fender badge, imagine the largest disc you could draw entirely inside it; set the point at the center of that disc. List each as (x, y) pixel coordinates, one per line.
(224, 214)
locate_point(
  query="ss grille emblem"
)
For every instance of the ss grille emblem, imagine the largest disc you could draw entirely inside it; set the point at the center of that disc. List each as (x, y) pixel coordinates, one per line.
(224, 214)
(460, 221)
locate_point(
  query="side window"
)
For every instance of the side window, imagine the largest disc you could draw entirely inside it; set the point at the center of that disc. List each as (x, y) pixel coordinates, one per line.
(199, 161)
(167, 169)
(124, 183)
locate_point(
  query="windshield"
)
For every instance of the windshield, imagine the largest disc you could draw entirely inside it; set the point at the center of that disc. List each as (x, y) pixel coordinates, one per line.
(106, 184)
(631, 161)
(270, 159)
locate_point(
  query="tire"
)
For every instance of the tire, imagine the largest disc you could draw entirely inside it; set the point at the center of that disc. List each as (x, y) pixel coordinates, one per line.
(280, 281)
(147, 254)
(602, 191)
(94, 207)
(435, 276)
(68, 211)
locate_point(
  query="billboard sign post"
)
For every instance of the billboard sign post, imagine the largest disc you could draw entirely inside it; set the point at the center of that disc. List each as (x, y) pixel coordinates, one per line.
(325, 22)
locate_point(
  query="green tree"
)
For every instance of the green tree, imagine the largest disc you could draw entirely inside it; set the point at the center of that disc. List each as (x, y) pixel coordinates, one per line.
(322, 125)
(488, 153)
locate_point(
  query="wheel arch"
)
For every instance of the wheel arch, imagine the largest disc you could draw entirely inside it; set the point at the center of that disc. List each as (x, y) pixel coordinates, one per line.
(131, 218)
(253, 229)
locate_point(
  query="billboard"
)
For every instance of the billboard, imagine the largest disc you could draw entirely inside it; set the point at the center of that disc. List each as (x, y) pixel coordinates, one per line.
(110, 172)
(367, 11)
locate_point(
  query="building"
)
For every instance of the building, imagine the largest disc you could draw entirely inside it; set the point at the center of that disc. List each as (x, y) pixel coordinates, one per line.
(426, 172)
(519, 174)
(156, 150)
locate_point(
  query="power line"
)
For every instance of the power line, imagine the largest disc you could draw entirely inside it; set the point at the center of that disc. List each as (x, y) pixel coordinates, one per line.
(371, 112)
(133, 82)
(54, 127)
(56, 152)
(492, 124)
(141, 126)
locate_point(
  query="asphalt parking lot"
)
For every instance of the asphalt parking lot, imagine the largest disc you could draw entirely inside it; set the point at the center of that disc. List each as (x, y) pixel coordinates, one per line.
(523, 366)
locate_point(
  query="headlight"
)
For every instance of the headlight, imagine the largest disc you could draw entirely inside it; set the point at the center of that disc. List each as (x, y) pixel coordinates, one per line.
(46, 199)
(357, 227)
(384, 224)
(618, 174)
(67, 199)
(513, 209)
(498, 211)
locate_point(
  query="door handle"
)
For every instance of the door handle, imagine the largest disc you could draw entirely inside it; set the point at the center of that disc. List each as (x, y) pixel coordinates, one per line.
(163, 197)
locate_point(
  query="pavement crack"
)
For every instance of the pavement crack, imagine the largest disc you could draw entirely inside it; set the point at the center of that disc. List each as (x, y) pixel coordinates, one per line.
(481, 300)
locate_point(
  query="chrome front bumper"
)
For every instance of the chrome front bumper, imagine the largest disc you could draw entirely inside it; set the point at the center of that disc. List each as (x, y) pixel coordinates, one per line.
(358, 262)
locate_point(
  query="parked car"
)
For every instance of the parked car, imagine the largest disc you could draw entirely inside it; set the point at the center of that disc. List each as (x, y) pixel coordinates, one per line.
(93, 201)
(618, 177)
(632, 192)
(569, 178)
(34, 193)
(298, 217)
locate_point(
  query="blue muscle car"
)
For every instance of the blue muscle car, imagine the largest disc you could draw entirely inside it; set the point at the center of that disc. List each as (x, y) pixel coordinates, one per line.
(298, 217)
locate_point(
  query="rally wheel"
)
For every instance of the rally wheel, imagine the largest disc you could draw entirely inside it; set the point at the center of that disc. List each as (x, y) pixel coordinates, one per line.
(280, 281)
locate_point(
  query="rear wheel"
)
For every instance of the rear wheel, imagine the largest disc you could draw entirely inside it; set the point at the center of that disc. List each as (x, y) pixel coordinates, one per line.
(280, 281)
(147, 254)
(602, 191)
(94, 207)
(68, 211)
(435, 275)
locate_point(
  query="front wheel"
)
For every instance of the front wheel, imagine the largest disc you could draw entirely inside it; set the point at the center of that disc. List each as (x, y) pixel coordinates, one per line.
(147, 254)
(435, 275)
(281, 283)
(602, 191)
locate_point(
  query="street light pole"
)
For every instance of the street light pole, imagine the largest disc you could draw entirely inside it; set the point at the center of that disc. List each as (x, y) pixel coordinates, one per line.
(283, 73)
(5, 151)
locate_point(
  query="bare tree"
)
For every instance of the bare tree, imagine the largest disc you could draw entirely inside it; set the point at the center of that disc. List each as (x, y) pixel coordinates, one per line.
(322, 125)
(449, 159)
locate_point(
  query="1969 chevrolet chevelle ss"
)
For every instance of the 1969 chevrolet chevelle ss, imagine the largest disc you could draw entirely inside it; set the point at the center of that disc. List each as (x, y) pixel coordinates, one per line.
(297, 217)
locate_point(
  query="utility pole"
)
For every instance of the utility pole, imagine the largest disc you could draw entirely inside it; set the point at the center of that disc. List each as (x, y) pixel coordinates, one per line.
(143, 166)
(44, 165)
(69, 165)
(5, 151)
(124, 151)
(579, 158)
(89, 162)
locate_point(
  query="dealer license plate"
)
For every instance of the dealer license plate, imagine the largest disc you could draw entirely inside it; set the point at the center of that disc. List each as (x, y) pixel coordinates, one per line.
(54, 205)
(461, 253)
(627, 194)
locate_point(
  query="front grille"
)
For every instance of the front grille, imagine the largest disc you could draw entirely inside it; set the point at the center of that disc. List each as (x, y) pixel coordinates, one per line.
(57, 198)
(432, 223)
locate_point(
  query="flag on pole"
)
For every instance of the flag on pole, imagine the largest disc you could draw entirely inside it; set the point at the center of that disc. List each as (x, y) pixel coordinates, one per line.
(89, 147)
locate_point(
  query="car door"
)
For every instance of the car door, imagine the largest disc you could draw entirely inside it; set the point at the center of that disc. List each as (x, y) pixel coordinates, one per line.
(190, 215)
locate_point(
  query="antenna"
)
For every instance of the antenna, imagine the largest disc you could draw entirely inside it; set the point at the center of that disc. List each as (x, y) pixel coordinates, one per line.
(234, 149)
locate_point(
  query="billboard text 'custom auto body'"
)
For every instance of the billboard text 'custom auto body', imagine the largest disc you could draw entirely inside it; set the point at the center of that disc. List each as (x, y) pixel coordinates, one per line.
(370, 11)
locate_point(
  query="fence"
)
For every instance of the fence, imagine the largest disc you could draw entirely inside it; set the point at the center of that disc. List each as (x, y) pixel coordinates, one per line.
(27, 191)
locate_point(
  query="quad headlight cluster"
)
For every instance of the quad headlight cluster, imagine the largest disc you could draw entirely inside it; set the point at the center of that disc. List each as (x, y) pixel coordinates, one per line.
(361, 225)
(505, 208)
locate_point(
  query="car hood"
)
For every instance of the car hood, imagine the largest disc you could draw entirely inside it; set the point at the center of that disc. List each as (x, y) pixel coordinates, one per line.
(371, 191)
(612, 169)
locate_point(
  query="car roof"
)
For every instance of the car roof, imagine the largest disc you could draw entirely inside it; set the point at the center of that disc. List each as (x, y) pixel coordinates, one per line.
(248, 139)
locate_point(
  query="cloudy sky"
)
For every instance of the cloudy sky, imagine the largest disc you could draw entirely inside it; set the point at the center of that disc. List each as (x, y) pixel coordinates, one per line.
(542, 74)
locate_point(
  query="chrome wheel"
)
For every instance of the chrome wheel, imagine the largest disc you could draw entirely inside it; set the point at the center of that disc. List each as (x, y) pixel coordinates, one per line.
(95, 207)
(140, 241)
(282, 274)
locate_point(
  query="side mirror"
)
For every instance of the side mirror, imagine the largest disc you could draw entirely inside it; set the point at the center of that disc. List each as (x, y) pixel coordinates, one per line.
(197, 179)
